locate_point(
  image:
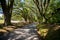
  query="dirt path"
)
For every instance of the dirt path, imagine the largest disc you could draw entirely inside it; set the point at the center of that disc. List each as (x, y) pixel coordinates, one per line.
(29, 32)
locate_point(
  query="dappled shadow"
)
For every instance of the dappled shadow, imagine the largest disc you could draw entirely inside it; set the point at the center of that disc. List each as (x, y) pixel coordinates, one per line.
(27, 32)
(30, 26)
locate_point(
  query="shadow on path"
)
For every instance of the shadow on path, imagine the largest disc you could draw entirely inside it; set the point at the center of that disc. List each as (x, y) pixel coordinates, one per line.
(28, 32)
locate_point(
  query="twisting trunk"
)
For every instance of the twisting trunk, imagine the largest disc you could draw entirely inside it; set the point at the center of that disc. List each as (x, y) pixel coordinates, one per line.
(42, 6)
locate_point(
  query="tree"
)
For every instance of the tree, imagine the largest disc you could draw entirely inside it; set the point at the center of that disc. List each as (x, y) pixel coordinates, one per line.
(7, 10)
(26, 11)
(46, 9)
(42, 6)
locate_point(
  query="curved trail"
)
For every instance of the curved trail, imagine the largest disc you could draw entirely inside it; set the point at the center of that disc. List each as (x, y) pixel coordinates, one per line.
(28, 32)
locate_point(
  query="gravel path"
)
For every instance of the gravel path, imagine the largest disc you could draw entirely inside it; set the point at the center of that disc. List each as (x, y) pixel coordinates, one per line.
(29, 32)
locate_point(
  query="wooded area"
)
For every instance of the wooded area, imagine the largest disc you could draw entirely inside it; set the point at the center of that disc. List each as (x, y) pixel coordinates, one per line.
(46, 13)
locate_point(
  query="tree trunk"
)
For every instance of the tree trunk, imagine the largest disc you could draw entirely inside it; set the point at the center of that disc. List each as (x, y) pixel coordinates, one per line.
(7, 10)
(25, 19)
(7, 18)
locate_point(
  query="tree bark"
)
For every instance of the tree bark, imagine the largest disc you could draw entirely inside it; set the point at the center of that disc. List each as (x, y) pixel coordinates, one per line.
(7, 18)
(42, 8)
(7, 11)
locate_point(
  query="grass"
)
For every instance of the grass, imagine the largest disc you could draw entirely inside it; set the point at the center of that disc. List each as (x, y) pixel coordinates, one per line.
(1, 21)
(42, 29)
(49, 32)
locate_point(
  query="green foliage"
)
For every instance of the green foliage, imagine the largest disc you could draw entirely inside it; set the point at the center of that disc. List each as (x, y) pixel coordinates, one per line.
(46, 14)
(24, 10)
